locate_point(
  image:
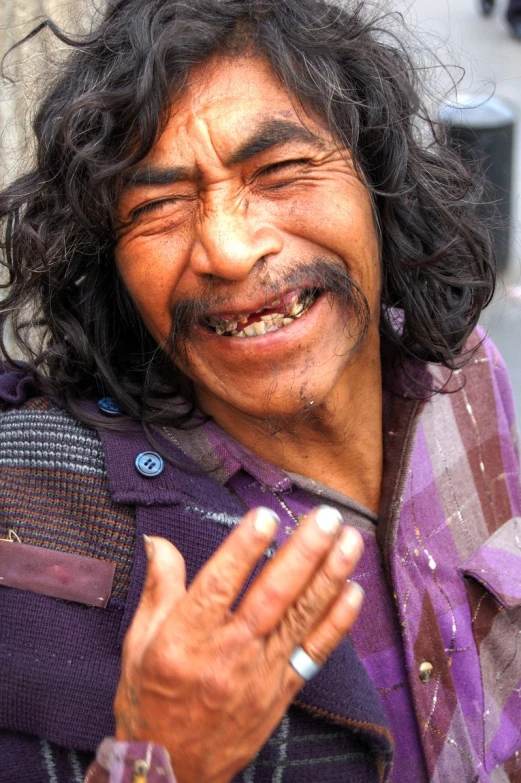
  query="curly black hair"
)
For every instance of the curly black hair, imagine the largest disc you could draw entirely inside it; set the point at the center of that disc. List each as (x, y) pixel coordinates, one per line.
(65, 306)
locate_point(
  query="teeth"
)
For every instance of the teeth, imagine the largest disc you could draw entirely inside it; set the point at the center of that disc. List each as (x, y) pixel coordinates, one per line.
(272, 318)
(299, 307)
(269, 322)
(264, 327)
(259, 327)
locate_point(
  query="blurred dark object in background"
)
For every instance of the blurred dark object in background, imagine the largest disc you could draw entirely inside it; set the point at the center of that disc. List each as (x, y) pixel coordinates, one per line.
(513, 15)
(482, 131)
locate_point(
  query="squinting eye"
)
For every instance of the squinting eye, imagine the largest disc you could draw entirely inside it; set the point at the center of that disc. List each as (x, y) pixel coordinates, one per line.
(284, 164)
(154, 206)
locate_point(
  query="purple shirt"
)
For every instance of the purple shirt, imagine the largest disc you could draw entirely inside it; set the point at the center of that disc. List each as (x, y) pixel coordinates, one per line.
(376, 634)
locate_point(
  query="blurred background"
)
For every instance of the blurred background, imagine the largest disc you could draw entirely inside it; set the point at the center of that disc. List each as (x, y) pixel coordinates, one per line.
(452, 39)
(482, 55)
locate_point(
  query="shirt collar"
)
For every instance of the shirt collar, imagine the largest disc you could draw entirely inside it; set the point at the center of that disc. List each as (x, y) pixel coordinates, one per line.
(220, 454)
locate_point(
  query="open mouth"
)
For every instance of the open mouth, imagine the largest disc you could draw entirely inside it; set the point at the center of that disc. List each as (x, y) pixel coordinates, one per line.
(280, 313)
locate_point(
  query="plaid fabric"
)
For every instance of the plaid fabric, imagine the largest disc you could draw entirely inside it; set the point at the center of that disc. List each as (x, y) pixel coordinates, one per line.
(453, 583)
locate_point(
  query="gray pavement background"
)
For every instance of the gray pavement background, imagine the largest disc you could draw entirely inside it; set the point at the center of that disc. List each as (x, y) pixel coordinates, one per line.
(491, 60)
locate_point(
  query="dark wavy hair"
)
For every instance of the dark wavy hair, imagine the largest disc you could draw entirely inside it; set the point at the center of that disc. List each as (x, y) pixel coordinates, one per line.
(65, 306)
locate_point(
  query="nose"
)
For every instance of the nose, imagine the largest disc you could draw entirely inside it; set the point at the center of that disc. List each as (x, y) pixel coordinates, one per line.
(231, 240)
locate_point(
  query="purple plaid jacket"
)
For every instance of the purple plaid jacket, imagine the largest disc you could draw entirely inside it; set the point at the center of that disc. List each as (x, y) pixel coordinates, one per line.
(449, 533)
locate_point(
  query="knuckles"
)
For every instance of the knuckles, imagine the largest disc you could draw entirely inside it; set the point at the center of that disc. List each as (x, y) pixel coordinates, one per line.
(311, 548)
(215, 671)
(169, 662)
(212, 594)
(273, 593)
(316, 651)
(217, 687)
(299, 615)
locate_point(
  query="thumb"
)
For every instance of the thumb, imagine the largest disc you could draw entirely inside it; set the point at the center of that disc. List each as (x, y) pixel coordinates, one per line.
(165, 583)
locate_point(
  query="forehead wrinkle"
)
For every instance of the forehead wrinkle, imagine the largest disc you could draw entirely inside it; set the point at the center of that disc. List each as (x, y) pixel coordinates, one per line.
(204, 128)
(271, 132)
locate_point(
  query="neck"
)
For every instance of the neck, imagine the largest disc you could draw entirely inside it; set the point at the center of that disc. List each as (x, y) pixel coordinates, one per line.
(338, 443)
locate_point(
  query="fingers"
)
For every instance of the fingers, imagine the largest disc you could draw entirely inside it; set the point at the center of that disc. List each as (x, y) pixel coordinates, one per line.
(328, 634)
(314, 603)
(222, 578)
(289, 598)
(304, 578)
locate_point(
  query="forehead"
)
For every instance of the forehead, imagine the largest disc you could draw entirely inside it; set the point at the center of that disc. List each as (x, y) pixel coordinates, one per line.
(221, 81)
(226, 101)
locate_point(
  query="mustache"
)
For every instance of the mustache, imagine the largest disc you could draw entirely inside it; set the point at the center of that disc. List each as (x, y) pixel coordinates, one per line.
(321, 276)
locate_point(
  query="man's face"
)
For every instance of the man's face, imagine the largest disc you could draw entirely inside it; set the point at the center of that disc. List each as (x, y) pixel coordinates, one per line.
(240, 226)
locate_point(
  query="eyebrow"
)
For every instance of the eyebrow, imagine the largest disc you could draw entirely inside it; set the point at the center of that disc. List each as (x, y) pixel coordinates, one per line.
(143, 174)
(269, 134)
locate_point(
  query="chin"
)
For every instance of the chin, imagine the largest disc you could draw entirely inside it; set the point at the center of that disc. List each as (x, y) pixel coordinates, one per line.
(277, 404)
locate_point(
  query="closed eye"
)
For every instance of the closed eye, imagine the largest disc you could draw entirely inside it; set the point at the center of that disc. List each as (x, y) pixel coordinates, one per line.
(282, 165)
(153, 206)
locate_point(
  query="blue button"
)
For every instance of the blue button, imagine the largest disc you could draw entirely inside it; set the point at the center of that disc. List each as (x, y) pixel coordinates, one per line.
(109, 407)
(149, 464)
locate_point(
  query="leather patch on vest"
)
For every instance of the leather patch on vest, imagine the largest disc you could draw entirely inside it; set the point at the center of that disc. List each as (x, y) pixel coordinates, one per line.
(56, 574)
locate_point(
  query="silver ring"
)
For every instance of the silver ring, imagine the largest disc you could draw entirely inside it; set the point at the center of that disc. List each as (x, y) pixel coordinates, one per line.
(304, 664)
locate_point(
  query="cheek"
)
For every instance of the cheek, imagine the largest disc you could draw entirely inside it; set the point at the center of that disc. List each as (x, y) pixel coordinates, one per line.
(149, 280)
(343, 224)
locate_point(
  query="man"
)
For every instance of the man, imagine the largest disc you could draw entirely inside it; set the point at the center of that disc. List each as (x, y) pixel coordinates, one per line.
(256, 285)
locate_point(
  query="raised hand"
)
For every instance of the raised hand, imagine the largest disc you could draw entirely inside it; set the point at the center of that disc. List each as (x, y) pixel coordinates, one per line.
(210, 684)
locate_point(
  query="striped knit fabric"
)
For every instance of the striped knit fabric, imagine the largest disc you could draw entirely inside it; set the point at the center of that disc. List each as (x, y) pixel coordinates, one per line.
(304, 749)
(55, 489)
(300, 746)
(43, 762)
(55, 495)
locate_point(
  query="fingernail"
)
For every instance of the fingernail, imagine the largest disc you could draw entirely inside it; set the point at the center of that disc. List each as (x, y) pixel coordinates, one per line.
(149, 547)
(328, 519)
(355, 596)
(351, 543)
(266, 521)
